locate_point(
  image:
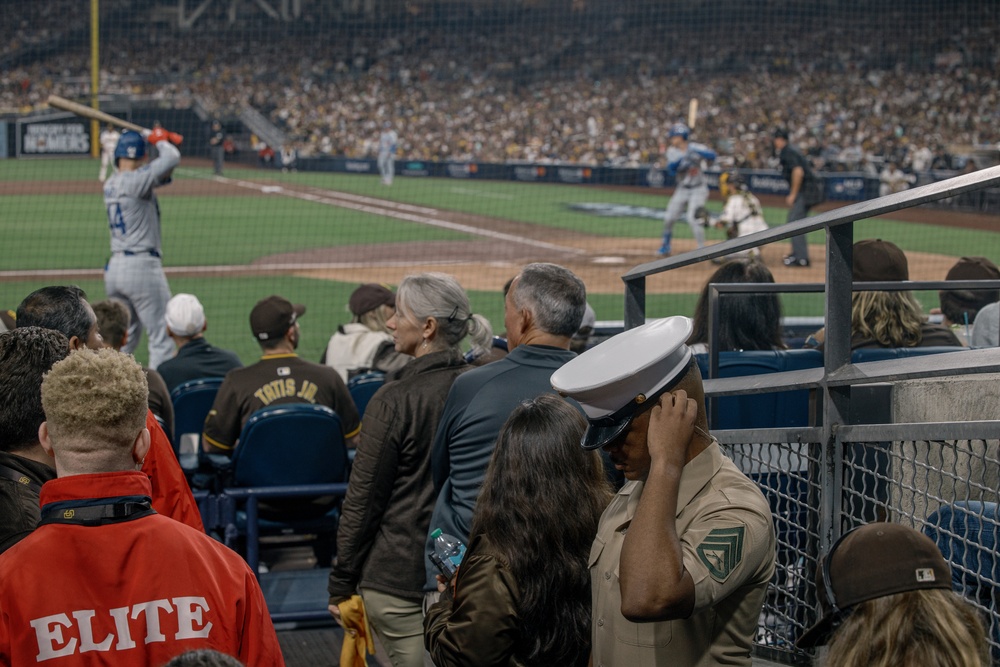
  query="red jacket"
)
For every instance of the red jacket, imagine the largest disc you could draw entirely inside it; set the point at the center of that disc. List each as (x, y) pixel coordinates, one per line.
(136, 590)
(171, 493)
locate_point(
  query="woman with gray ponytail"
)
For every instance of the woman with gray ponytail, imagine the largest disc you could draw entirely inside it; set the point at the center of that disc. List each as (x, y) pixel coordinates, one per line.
(386, 513)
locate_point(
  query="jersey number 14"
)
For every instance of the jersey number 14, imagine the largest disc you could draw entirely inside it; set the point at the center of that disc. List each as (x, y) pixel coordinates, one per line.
(116, 221)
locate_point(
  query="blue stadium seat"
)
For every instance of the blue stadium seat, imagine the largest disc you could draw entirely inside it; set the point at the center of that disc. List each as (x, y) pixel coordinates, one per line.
(775, 410)
(883, 353)
(288, 456)
(499, 343)
(363, 387)
(192, 400)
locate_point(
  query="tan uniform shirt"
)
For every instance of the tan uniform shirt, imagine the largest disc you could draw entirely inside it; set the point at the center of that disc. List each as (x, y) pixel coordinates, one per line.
(728, 541)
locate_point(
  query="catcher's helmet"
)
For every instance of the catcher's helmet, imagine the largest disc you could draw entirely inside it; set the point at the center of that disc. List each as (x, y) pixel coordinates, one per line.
(731, 182)
(679, 130)
(131, 145)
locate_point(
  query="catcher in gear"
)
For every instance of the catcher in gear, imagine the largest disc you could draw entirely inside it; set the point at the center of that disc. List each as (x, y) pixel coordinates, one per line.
(741, 216)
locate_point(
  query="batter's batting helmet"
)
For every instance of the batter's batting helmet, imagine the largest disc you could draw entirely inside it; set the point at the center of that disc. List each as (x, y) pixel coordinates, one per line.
(131, 145)
(679, 130)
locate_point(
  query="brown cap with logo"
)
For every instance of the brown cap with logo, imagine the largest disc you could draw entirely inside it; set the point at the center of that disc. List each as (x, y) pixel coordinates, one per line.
(870, 562)
(273, 316)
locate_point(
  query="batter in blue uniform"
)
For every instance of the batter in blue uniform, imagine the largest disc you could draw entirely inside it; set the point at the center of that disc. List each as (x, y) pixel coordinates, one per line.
(686, 161)
(134, 273)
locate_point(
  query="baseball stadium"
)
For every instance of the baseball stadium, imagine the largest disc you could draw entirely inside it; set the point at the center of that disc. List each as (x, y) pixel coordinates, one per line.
(329, 143)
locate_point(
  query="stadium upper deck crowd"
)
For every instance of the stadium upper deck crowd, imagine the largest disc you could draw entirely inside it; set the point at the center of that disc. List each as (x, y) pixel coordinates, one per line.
(856, 89)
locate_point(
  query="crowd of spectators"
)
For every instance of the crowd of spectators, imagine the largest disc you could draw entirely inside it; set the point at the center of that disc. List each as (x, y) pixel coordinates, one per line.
(857, 89)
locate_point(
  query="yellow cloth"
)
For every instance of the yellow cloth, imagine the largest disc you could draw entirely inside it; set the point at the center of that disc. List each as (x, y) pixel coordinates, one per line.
(359, 643)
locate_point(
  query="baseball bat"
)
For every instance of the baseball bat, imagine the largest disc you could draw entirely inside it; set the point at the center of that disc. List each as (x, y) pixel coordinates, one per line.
(692, 112)
(88, 112)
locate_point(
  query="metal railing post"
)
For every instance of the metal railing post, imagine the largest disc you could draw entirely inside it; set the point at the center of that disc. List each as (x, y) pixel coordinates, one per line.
(635, 302)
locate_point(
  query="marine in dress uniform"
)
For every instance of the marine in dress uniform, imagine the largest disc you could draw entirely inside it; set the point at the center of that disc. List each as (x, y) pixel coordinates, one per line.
(685, 551)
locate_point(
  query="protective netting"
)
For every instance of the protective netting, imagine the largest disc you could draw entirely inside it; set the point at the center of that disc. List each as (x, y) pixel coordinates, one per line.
(524, 131)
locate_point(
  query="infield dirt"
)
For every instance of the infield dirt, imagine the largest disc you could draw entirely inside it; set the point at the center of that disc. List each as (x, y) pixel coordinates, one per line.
(502, 246)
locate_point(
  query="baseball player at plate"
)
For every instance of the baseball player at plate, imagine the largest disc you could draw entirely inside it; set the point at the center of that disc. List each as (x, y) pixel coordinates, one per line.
(686, 161)
(134, 273)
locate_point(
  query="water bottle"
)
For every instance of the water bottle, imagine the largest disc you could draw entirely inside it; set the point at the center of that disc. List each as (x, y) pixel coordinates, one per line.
(448, 552)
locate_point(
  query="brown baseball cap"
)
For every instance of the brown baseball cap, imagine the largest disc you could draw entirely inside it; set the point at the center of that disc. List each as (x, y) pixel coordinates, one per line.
(973, 268)
(369, 297)
(870, 562)
(273, 316)
(878, 260)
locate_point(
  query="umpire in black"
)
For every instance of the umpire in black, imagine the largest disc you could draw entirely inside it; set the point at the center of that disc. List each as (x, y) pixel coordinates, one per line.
(805, 190)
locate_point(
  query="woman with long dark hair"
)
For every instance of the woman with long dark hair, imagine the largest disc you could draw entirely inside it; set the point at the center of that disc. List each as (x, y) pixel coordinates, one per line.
(522, 593)
(746, 321)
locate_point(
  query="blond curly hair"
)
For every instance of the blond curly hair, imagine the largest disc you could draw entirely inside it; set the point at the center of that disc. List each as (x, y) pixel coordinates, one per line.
(95, 404)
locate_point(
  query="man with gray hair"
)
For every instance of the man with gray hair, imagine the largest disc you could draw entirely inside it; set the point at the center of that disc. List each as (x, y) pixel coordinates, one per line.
(542, 311)
(105, 579)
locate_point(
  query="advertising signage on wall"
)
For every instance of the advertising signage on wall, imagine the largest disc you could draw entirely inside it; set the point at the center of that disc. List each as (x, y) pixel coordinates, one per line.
(69, 136)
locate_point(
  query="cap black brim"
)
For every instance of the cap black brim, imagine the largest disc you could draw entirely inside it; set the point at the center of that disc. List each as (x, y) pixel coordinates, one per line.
(598, 436)
(817, 635)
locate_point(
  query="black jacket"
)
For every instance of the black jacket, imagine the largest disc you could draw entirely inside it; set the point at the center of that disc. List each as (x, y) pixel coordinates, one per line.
(19, 510)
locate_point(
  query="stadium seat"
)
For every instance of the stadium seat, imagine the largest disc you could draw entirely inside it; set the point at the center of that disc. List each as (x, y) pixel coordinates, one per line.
(363, 387)
(883, 353)
(289, 471)
(192, 400)
(499, 343)
(776, 410)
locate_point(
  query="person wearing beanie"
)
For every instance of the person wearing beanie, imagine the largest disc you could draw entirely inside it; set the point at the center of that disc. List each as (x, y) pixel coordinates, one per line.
(196, 358)
(365, 343)
(887, 318)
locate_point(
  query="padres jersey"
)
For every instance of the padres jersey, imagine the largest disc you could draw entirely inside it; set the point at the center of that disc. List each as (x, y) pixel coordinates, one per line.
(133, 212)
(276, 379)
(109, 140)
(727, 536)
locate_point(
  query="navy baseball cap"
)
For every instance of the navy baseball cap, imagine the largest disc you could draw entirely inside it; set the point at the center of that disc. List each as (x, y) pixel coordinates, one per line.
(623, 376)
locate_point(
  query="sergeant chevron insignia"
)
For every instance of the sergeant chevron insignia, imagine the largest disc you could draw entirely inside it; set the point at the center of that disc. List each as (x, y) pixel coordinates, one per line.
(721, 551)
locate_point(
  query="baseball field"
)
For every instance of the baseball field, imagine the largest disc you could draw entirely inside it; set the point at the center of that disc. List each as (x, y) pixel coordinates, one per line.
(312, 237)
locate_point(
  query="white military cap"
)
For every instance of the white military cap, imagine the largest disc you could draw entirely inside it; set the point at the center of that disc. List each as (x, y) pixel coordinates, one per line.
(618, 379)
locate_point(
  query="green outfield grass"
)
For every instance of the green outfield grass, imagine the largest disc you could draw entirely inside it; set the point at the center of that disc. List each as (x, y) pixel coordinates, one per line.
(228, 302)
(70, 231)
